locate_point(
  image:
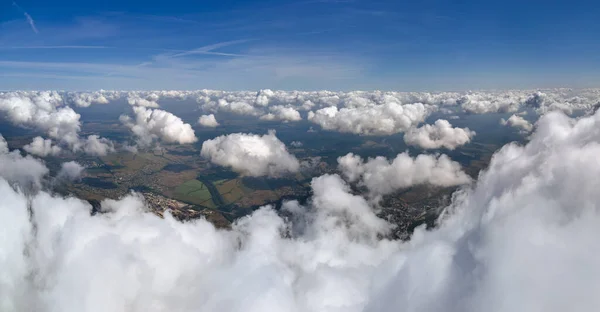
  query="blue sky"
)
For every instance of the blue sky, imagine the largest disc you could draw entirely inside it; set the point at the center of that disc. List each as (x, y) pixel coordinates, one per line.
(304, 45)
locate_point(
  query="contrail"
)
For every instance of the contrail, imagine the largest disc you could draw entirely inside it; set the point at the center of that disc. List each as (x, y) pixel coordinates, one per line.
(30, 20)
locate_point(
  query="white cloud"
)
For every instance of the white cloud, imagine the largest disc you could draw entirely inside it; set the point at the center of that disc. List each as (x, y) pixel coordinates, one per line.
(373, 120)
(251, 154)
(70, 170)
(85, 99)
(26, 172)
(283, 113)
(43, 111)
(382, 176)
(3, 145)
(143, 99)
(482, 102)
(42, 147)
(439, 135)
(208, 121)
(296, 144)
(526, 230)
(518, 122)
(152, 124)
(95, 146)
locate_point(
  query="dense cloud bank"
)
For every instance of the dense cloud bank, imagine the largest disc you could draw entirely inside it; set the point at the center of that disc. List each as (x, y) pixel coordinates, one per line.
(251, 154)
(522, 238)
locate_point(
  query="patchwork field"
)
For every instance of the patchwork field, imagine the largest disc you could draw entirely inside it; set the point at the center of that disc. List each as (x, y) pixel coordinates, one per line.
(231, 190)
(195, 192)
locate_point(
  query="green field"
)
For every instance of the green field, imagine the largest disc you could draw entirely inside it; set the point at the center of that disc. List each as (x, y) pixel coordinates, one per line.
(194, 191)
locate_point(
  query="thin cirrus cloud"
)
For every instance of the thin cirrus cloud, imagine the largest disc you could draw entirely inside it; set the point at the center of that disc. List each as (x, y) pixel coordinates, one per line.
(28, 17)
(258, 68)
(58, 47)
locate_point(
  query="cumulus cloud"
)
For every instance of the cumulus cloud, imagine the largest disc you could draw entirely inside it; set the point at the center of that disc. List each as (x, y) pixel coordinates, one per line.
(24, 171)
(3, 145)
(439, 135)
(43, 111)
(251, 154)
(70, 170)
(42, 147)
(382, 176)
(526, 230)
(85, 99)
(208, 121)
(145, 100)
(518, 122)
(482, 102)
(95, 146)
(152, 124)
(282, 113)
(373, 120)
(296, 144)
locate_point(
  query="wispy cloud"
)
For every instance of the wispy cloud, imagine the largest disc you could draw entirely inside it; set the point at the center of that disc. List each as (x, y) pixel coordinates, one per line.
(209, 49)
(276, 69)
(28, 17)
(55, 47)
(31, 22)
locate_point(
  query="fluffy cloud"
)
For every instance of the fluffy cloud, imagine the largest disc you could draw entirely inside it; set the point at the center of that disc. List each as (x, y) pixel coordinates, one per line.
(95, 146)
(251, 154)
(26, 172)
(439, 135)
(3, 145)
(481, 103)
(518, 122)
(70, 170)
(43, 111)
(282, 113)
(382, 176)
(145, 100)
(152, 124)
(84, 99)
(373, 120)
(42, 147)
(525, 231)
(208, 121)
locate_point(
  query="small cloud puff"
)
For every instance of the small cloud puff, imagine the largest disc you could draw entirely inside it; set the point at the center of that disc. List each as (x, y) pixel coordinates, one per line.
(208, 121)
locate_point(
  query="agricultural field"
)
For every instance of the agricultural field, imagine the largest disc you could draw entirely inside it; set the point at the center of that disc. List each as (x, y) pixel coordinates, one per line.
(194, 192)
(231, 190)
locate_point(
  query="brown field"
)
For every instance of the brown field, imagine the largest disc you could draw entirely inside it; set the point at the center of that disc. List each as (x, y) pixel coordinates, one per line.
(231, 190)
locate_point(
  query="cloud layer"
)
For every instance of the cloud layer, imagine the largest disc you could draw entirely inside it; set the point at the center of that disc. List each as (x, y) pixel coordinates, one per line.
(525, 230)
